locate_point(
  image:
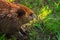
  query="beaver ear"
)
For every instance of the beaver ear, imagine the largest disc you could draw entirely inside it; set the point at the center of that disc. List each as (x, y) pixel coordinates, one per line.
(20, 12)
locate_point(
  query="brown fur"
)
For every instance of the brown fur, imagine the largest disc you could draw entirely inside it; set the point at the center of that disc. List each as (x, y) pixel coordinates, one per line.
(12, 16)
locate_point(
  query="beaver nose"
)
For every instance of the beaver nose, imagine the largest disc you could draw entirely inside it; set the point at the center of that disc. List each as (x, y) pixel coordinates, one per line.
(34, 16)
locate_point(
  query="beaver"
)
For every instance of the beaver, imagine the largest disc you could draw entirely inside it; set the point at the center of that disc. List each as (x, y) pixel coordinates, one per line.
(12, 16)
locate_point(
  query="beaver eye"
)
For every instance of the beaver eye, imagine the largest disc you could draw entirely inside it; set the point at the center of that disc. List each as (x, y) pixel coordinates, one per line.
(31, 14)
(20, 12)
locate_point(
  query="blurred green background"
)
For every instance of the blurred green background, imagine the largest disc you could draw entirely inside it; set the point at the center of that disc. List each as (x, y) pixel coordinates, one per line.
(47, 24)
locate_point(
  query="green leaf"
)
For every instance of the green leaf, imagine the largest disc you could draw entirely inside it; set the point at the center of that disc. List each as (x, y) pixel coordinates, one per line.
(2, 37)
(58, 8)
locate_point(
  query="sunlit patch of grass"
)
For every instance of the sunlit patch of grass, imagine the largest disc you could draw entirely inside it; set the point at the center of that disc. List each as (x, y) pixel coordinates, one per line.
(45, 11)
(10, 0)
